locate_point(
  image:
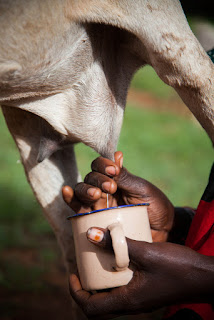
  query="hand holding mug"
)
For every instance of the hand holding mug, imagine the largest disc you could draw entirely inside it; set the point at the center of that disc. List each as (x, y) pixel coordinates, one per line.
(165, 274)
(124, 188)
(99, 269)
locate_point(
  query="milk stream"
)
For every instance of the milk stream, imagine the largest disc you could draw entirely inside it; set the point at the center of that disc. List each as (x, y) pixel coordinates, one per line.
(107, 201)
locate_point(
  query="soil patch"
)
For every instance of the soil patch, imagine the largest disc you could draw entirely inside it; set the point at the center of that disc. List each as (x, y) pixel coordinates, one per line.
(25, 296)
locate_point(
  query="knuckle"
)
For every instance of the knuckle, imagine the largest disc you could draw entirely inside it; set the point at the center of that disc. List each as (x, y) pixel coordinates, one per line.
(88, 177)
(95, 163)
(79, 187)
(124, 177)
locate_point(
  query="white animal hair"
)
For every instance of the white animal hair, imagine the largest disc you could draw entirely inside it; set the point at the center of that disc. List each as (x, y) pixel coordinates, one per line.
(65, 68)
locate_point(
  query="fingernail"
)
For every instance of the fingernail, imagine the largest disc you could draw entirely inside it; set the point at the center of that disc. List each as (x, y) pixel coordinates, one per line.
(106, 186)
(111, 170)
(121, 162)
(91, 192)
(95, 234)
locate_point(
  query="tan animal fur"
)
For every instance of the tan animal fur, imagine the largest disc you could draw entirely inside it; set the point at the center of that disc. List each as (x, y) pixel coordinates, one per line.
(65, 68)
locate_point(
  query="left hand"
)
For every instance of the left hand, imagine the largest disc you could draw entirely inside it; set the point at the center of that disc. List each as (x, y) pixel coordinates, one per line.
(123, 188)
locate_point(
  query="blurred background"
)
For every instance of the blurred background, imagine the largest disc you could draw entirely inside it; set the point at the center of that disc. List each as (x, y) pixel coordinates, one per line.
(161, 142)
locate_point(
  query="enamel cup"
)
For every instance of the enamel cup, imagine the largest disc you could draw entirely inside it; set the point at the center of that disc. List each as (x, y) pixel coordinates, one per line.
(99, 269)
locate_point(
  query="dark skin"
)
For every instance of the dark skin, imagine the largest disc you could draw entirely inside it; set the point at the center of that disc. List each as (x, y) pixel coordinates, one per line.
(166, 273)
(124, 188)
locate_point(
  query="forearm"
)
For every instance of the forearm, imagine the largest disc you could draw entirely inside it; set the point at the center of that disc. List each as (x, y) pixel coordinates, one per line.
(204, 280)
(197, 279)
(186, 276)
(182, 220)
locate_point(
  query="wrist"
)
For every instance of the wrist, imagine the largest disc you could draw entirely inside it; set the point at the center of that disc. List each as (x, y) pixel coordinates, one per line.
(193, 278)
(198, 279)
(204, 278)
(183, 217)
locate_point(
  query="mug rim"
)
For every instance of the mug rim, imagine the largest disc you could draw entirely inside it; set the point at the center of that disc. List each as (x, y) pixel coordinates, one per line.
(105, 209)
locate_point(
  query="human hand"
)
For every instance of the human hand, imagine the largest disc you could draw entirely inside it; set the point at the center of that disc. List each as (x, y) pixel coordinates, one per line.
(166, 274)
(123, 188)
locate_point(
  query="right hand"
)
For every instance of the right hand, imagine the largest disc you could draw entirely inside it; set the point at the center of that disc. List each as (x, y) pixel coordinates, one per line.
(124, 188)
(166, 274)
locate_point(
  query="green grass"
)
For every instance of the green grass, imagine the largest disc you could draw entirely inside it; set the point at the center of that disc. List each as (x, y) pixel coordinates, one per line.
(146, 79)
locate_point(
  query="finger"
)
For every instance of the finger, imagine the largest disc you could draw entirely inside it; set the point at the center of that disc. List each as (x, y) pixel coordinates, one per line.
(99, 236)
(89, 197)
(138, 250)
(100, 304)
(72, 201)
(76, 291)
(87, 193)
(67, 194)
(101, 181)
(105, 166)
(118, 156)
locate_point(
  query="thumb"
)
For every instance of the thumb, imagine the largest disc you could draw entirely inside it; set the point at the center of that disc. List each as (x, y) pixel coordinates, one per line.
(138, 250)
(67, 194)
(100, 237)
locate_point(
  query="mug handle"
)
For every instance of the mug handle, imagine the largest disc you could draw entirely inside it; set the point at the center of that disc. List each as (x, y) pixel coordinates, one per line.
(119, 245)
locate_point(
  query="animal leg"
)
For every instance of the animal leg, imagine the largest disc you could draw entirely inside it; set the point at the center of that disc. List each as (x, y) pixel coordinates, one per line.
(46, 179)
(167, 43)
(180, 61)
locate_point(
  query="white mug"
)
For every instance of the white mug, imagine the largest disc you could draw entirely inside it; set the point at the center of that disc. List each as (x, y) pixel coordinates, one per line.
(99, 269)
